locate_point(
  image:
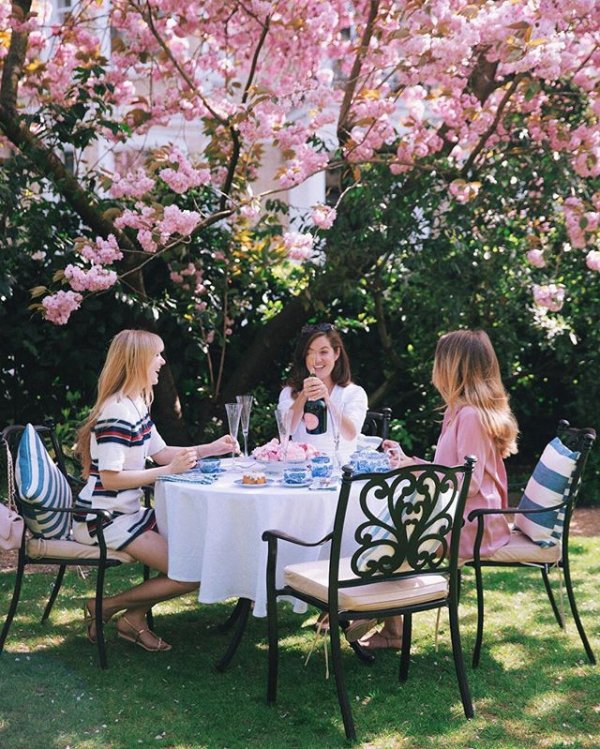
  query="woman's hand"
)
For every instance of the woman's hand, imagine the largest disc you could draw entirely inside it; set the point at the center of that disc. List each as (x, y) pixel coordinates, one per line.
(396, 454)
(313, 389)
(225, 444)
(184, 460)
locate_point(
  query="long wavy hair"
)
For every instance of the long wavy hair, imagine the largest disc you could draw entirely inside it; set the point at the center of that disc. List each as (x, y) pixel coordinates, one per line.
(126, 371)
(341, 374)
(466, 373)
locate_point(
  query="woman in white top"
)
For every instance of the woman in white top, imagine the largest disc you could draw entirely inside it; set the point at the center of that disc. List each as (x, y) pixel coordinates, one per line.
(113, 444)
(320, 350)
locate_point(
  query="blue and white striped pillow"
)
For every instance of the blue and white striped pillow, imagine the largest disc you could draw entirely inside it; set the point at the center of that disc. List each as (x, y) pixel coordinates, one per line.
(42, 488)
(549, 484)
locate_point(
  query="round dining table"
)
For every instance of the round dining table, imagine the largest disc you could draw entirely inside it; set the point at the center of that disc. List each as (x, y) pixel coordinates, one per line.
(214, 530)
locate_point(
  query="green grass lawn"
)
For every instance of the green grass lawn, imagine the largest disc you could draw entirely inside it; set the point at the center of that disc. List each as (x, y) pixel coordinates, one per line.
(534, 686)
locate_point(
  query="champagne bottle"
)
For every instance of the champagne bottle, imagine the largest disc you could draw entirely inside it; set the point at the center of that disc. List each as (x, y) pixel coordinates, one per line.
(315, 415)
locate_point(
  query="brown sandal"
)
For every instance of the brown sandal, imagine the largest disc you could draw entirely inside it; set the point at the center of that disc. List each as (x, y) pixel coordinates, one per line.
(161, 645)
(380, 641)
(90, 620)
(358, 628)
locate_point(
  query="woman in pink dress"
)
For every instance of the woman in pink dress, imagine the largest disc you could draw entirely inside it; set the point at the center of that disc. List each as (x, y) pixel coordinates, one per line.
(477, 421)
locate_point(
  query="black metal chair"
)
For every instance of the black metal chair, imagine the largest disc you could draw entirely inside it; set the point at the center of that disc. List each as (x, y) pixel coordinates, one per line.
(406, 526)
(523, 552)
(64, 553)
(377, 423)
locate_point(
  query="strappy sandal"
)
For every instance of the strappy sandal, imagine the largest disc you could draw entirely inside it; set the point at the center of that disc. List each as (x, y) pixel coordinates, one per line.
(90, 621)
(380, 641)
(161, 645)
(358, 628)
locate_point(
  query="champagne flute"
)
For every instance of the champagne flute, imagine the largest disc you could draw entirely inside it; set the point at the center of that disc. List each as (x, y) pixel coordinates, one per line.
(245, 402)
(234, 412)
(336, 420)
(284, 427)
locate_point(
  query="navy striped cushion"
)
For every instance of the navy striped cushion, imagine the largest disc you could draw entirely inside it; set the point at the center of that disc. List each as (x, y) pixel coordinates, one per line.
(42, 488)
(548, 486)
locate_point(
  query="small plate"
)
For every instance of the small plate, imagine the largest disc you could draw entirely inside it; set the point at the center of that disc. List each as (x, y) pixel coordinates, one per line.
(239, 482)
(303, 485)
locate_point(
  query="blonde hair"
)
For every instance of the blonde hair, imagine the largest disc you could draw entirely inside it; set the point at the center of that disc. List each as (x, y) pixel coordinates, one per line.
(127, 371)
(466, 373)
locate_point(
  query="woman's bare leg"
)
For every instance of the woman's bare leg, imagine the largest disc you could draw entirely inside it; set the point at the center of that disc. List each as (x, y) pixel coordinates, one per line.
(150, 548)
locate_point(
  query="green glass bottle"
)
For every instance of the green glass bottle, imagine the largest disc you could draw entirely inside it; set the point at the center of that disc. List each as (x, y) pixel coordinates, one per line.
(315, 415)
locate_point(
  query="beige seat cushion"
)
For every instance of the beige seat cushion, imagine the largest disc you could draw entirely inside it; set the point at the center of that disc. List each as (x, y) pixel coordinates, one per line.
(520, 548)
(38, 548)
(312, 579)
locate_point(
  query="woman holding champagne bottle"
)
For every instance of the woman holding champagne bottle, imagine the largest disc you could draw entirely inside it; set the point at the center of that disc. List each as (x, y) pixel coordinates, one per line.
(320, 394)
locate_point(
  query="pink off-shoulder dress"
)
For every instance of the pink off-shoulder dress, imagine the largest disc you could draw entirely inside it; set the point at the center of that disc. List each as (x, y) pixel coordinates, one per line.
(463, 434)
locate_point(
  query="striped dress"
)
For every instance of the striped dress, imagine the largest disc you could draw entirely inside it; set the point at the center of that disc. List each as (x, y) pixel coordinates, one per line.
(123, 438)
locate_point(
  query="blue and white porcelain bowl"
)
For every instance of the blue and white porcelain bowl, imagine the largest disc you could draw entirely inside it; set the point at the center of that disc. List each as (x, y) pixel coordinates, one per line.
(321, 466)
(296, 476)
(209, 465)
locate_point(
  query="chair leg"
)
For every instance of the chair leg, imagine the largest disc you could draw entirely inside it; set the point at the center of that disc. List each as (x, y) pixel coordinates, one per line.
(149, 614)
(578, 623)
(98, 614)
(459, 664)
(551, 598)
(273, 638)
(406, 643)
(13, 604)
(55, 590)
(480, 616)
(336, 661)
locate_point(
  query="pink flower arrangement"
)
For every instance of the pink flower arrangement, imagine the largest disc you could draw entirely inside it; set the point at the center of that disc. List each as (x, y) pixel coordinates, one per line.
(273, 451)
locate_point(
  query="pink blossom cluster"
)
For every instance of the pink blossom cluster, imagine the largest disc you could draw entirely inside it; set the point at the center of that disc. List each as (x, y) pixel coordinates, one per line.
(272, 451)
(592, 260)
(132, 185)
(298, 246)
(536, 258)
(551, 296)
(101, 251)
(185, 177)
(154, 230)
(323, 216)
(58, 307)
(191, 279)
(581, 223)
(95, 278)
(464, 191)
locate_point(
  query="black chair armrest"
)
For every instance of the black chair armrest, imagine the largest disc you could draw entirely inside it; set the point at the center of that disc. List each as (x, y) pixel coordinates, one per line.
(276, 534)
(475, 514)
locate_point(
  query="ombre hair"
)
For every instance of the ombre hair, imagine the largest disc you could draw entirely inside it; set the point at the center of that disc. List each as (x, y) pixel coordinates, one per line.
(126, 371)
(341, 374)
(466, 373)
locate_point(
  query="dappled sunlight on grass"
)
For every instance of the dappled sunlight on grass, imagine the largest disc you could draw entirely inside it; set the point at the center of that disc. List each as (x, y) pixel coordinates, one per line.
(534, 686)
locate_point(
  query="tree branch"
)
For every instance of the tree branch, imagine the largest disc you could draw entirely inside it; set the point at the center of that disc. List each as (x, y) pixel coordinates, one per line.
(344, 126)
(492, 128)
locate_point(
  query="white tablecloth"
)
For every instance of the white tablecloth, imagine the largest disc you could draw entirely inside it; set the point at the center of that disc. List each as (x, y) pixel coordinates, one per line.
(214, 533)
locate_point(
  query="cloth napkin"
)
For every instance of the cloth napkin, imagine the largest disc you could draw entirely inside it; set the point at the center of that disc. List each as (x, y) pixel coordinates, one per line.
(190, 477)
(366, 441)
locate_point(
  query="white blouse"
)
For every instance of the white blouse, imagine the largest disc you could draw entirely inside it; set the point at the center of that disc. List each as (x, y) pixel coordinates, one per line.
(352, 400)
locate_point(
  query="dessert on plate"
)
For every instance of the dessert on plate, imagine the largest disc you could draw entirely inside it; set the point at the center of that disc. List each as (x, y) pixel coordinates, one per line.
(254, 478)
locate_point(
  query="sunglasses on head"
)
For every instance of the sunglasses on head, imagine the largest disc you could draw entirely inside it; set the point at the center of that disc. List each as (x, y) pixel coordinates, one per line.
(322, 327)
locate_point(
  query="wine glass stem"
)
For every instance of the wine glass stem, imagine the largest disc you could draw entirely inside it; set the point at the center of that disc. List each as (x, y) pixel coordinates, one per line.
(245, 444)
